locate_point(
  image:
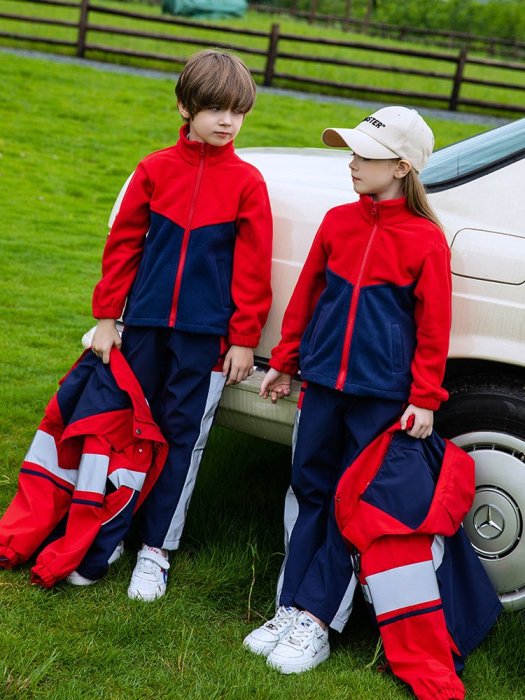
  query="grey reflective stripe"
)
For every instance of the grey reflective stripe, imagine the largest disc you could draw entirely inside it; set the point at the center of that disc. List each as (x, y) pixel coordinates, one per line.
(43, 451)
(174, 533)
(438, 550)
(127, 477)
(403, 587)
(92, 473)
(295, 429)
(291, 513)
(340, 618)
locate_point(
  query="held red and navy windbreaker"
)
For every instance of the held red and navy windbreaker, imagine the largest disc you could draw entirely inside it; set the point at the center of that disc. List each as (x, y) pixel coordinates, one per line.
(400, 505)
(96, 452)
(190, 247)
(371, 312)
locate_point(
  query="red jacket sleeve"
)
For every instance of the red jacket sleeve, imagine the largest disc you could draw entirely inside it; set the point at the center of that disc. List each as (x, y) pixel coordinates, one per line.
(300, 309)
(252, 261)
(433, 293)
(124, 247)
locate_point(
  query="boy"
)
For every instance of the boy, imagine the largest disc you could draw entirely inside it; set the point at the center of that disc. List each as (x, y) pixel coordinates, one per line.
(189, 255)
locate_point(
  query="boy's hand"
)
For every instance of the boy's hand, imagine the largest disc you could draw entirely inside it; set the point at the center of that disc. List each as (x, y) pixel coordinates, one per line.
(275, 385)
(104, 338)
(238, 364)
(423, 422)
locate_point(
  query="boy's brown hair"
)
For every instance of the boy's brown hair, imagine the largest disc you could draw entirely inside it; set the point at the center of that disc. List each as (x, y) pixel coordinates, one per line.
(213, 78)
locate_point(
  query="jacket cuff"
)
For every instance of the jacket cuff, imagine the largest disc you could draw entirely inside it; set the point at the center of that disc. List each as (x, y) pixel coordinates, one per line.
(246, 341)
(285, 367)
(430, 404)
(107, 312)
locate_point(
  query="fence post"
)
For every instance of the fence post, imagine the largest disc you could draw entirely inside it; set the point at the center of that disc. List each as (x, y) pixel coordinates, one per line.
(272, 56)
(313, 10)
(458, 77)
(82, 28)
(347, 14)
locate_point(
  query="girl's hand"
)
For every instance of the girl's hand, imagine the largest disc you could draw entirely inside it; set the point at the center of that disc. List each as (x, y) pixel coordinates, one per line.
(423, 422)
(104, 338)
(276, 385)
(238, 364)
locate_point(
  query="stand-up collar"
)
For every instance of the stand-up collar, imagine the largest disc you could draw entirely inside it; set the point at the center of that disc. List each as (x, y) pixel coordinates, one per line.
(192, 151)
(388, 210)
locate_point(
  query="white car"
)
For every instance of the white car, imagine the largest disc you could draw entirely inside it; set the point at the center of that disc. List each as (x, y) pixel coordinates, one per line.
(477, 189)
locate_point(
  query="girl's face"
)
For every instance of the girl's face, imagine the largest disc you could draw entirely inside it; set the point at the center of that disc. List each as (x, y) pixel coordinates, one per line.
(382, 179)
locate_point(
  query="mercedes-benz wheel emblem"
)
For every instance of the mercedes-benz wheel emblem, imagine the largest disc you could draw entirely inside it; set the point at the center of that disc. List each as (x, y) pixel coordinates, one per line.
(488, 521)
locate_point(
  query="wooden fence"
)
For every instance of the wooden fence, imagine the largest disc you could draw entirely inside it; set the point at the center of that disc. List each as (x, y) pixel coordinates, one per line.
(271, 52)
(437, 37)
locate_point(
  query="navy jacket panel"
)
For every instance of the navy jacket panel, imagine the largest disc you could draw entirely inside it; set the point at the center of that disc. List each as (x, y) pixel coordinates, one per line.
(405, 482)
(383, 343)
(89, 390)
(149, 301)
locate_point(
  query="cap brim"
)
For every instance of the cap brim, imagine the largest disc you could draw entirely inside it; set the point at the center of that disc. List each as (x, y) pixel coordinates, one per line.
(358, 142)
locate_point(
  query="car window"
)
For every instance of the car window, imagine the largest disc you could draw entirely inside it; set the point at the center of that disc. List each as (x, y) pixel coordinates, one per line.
(475, 156)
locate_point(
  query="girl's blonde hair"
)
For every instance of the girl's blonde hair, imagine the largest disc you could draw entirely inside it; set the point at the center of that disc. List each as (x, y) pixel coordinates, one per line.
(416, 198)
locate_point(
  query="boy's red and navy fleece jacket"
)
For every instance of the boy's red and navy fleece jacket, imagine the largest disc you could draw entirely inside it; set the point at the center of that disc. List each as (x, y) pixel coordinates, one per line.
(371, 312)
(401, 487)
(190, 247)
(94, 458)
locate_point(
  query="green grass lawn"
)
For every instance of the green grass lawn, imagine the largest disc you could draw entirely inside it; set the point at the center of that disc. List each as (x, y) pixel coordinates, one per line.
(69, 138)
(360, 77)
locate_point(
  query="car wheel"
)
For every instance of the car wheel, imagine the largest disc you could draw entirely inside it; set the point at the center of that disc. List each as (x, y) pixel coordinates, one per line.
(486, 417)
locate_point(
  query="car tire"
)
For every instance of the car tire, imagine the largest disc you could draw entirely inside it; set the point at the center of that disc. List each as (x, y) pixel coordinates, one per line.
(485, 415)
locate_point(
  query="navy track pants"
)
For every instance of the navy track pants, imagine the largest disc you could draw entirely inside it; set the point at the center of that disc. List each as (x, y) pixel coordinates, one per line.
(331, 430)
(176, 372)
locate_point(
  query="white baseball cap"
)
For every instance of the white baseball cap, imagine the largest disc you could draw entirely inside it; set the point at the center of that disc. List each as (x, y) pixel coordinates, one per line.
(391, 132)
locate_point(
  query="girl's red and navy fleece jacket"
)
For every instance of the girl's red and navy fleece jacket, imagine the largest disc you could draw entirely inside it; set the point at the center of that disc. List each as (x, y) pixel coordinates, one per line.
(190, 247)
(371, 312)
(93, 460)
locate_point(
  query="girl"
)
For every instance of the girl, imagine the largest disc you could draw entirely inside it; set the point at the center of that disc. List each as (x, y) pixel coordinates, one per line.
(368, 325)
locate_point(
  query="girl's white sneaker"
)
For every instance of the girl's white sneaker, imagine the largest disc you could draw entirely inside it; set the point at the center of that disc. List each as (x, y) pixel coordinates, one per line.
(305, 647)
(266, 637)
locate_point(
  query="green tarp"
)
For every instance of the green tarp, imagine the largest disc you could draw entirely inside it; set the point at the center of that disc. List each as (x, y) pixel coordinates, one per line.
(205, 9)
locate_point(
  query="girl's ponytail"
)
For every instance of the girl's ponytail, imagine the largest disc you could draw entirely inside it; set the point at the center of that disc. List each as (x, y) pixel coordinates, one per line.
(416, 198)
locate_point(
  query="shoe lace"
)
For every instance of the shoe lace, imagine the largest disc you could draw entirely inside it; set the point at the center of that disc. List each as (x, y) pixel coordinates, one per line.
(282, 618)
(302, 632)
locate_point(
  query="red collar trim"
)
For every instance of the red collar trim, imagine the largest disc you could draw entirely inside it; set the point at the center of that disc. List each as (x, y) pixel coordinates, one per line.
(192, 151)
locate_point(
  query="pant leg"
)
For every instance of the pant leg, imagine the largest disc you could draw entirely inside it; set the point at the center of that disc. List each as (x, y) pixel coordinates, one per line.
(318, 446)
(345, 425)
(398, 575)
(184, 408)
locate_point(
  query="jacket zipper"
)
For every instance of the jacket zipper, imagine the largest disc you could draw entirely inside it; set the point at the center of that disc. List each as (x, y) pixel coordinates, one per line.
(345, 357)
(186, 238)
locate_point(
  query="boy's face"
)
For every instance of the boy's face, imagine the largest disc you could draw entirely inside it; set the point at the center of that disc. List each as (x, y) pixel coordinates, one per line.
(214, 126)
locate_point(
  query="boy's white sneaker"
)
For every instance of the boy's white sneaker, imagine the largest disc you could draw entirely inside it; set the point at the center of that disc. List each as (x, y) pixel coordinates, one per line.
(305, 646)
(150, 575)
(77, 580)
(266, 637)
